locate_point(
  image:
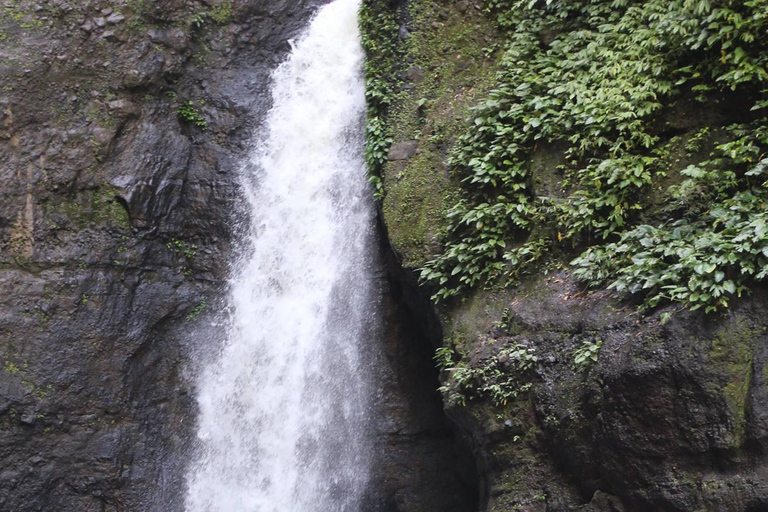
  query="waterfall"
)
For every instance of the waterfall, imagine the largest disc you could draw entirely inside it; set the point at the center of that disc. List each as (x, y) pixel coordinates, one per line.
(282, 408)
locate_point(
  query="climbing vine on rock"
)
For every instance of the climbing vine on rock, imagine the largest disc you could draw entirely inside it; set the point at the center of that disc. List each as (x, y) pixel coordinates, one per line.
(379, 31)
(601, 77)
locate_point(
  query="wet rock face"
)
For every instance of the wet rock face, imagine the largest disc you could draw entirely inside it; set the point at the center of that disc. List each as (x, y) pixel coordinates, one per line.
(420, 464)
(116, 215)
(121, 127)
(671, 417)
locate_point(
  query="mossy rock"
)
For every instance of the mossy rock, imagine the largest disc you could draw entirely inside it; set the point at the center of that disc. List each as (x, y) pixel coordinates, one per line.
(450, 68)
(99, 207)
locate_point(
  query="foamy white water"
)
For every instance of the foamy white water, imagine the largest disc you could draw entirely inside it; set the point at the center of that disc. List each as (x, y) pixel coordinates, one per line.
(282, 424)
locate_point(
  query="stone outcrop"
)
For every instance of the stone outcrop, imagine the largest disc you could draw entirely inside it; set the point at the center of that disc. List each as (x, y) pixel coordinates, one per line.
(670, 417)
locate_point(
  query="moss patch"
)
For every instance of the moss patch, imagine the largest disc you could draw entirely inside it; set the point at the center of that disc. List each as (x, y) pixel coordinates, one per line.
(12, 14)
(479, 313)
(450, 67)
(731, 356)
(414, 208)
(87, 209)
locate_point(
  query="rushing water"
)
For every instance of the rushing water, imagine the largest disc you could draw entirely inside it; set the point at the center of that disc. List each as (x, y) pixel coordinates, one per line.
(283, 407)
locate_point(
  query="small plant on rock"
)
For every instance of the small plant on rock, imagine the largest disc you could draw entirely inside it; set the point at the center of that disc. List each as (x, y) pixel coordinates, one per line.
(586, 355)
(189, 113)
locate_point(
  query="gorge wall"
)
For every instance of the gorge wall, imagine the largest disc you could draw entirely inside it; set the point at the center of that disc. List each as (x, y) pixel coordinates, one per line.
(571, 398)
(122, 124)
(116, 223)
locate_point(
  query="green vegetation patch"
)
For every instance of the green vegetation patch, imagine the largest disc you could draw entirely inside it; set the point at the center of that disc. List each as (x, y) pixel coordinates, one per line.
(14, 15)
(604, 78)
(197, 311)
(501, 377)
(87, 209)
(420, 87)
(221, 12)
(379, 32)
(188, 112)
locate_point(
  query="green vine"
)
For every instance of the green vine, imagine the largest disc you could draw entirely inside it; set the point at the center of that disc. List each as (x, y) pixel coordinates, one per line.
(379, 30)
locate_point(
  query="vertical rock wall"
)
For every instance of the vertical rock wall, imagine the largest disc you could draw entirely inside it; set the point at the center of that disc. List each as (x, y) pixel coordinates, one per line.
(421, 464)
(121, 123)
(668, 415)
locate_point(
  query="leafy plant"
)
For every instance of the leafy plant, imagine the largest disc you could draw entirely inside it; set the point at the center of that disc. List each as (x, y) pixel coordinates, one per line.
(197, 311)
(501, 377)
(710, 254)
(444, 358)
(188, 112)
(586, 355)
(379, 31)
(219, 13)
(599, 83)
(187, 251)
(181, 247)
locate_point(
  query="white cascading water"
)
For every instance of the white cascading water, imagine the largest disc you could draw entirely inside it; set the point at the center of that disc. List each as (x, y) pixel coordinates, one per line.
(283, 407)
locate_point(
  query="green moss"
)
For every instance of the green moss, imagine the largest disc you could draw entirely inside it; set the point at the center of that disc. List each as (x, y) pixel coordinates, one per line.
(479, 313)
(139, 12)
(518, 485)
(13, 14)
(102, 117)
(90, 208)
(417, 198)
(448, 70)
(731, 356)
(21, 372)
(510, 485)
(221, 13)
(10, 367)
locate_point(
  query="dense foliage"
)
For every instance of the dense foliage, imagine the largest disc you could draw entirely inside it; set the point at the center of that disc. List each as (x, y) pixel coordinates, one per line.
(604, 77)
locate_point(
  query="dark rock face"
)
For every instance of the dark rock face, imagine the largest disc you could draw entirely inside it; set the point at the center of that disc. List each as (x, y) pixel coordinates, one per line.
(670, 418)
(115, 230)
(117, 221)
(420, 465)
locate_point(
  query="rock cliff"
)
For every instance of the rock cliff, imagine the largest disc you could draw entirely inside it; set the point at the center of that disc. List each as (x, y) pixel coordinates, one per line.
(571, 398)
(122, 128)
(122, 123)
